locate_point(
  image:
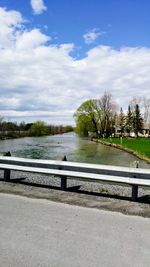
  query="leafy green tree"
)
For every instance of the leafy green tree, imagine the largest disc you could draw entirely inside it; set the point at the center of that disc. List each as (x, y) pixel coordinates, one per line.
(69, 128)
(96, 116)
(82, 125)
(39, 128)
(87, 118)
(137, 120)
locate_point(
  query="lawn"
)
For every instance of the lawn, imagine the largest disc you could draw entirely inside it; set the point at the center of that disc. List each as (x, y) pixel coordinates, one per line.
(141, 146)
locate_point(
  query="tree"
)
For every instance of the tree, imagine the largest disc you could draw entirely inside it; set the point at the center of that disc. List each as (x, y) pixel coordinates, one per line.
(86, 118)
(96, 115)
(1, 120)
(22, 126)
(121, 121)
(146, 106)
(114, 123)
(69, 128)
(144, 103)
(137, 120)
(129, 120)
(107, 108)
(39, 128)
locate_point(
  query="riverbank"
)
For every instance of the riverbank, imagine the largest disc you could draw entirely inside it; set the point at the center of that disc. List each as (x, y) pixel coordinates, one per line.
(23, 134)
(111, 142)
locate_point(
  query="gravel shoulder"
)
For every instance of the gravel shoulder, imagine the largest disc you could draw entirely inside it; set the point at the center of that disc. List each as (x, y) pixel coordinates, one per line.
(92, 195)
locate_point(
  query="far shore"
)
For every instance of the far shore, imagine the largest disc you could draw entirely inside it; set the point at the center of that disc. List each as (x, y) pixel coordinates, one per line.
(122, 148)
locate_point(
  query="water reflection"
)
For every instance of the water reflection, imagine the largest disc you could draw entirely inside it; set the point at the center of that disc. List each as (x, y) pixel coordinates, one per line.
(75, 148)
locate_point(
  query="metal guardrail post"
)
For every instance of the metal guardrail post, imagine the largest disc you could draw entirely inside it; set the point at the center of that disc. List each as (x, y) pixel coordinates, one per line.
(64, 179)
(7, 172)
(135, 187)
(134, 192)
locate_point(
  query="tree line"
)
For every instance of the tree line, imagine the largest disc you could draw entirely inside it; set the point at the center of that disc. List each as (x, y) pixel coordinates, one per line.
(22, 129)
(101, 117)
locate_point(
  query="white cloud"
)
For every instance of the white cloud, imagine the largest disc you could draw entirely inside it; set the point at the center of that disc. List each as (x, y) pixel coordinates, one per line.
(38, 79)
(92, 35)
(31, 39)
(38, 6)
(10, 21)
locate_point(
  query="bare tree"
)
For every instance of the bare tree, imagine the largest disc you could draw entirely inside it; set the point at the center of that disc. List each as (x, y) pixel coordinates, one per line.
(96, 116)
(146, 106)
(1, 123)
(108, 107)
(135, 101)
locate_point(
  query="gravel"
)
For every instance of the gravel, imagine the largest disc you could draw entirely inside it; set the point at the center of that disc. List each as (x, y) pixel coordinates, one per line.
(103, 188)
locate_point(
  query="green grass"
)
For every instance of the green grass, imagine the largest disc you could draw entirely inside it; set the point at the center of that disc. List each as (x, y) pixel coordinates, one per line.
(141, 146)
(103, 190)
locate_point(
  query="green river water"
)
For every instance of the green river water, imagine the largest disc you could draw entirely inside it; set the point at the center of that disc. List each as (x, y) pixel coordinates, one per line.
(75, 148)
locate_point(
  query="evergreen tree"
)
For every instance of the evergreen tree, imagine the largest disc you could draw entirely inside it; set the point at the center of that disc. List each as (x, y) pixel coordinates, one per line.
(137, 120)
(122, 121)
(129, 120)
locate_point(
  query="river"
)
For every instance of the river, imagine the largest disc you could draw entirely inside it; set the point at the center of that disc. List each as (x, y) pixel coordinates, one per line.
(75, 148)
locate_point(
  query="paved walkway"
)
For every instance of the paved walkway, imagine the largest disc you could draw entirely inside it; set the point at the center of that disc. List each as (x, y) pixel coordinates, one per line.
(43, 233)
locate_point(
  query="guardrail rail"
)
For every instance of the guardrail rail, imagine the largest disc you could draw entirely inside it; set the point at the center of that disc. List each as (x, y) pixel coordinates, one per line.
(134, 177)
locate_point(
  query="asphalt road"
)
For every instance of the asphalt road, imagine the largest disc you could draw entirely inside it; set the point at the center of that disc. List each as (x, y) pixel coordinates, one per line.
(37, 232)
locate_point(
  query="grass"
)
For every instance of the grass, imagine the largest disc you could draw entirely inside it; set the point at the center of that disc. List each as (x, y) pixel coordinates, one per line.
(140, 146)
(103, 190)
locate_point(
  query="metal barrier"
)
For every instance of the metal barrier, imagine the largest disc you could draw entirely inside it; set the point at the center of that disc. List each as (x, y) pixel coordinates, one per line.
(134, 177)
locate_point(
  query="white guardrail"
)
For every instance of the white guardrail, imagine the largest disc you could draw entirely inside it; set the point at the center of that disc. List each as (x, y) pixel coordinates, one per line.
(134, 177)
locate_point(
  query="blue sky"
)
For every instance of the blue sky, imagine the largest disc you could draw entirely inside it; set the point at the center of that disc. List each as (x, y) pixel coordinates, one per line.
(71, 50)
(125, 22)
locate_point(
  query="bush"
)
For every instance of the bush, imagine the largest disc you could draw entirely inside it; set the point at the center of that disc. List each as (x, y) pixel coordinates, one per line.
(39, 128)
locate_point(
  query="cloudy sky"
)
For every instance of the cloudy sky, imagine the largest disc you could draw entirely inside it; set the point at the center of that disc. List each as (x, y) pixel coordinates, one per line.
(55, 54)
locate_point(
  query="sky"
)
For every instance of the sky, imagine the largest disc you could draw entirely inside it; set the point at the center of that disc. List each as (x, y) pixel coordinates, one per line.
(56, 54)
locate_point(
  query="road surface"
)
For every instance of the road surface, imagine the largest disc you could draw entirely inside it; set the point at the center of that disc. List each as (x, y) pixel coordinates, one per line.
(42, 233)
